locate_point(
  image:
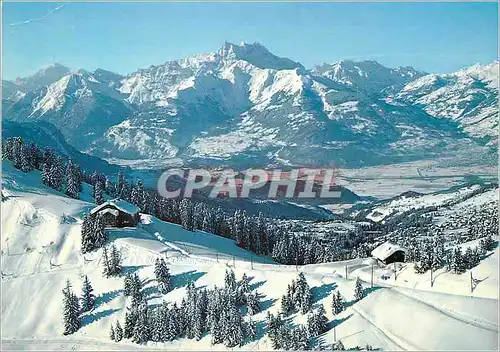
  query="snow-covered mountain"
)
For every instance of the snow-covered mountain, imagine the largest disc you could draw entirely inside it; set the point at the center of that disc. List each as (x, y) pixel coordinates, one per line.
(242, 105)
(469, 96)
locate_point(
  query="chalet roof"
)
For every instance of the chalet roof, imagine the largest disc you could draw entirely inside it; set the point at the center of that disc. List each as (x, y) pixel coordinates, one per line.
(119, 204)
(386, 249)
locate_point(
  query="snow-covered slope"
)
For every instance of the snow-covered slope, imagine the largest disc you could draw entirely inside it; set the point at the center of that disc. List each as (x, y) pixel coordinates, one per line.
(45, 135)
(243, 105)
(41, 249)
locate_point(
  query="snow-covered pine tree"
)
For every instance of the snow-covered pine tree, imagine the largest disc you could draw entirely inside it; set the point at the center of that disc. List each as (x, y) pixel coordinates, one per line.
(186, 214)
(317, 321)
(358, 290)
(487, 243)
(106, 271)
(136, 194)
(88, 298)
(115, 261)
(87, 234)
(301, 339)
(340, 302)
(109, 187)
(48, 160)
(71, 311)
(127, 284)
(250, 329)
(303, 295)
(162, 275)
(232, 328)
(280, 250)
(99, 234)
(111, 333)
(26, 164)
(286, 305)
(56, 173)
(98, 188)
(17, 143)
(118, 332)
(230, 280)
(136, 290)
(216, 330)
(439, 255)
(457, 261)
(253, 303)
(141, 333)
(274, 325)
(130, 320)
(337, 306)
(72, 180)
(7, 149)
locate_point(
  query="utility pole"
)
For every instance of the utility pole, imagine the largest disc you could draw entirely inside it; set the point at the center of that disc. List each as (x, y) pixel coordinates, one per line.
(217, 256)
(471, 283)
(334, 332)
(395, 272)
(372, 275)
(297, 263)
(346, 271)
(431, 277)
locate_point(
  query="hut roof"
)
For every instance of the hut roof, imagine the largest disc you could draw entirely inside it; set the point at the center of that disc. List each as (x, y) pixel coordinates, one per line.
(119, 204)
(386, 249)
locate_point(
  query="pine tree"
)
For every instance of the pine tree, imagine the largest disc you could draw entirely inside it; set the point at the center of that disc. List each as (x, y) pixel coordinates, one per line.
(439, 253)
(25, 159)
(87, 234)
(251, 329)
(358, 290)
(232, 329)
(303, 296)
(112, 333)
(98, 188)
(317, 322)
(71, 311)
(286, 305)
(120, 186)
(118, 332)
(99, 235)
(115, 261)
(487, 243)
(253, 303)
(56, 174)
(72, 180)
(162, 275)
(88, 298)
(186, 214)
(17, 143)
(127, 284)
(457, 262)
(141, 331)
(230, 280)
(337, 303)
(130, 320)
(107, 270)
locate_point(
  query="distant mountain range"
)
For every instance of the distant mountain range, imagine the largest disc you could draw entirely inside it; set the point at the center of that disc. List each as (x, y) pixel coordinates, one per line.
(243, 106)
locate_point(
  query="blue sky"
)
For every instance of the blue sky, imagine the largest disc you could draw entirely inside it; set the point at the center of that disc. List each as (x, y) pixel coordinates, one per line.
(121, 37)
